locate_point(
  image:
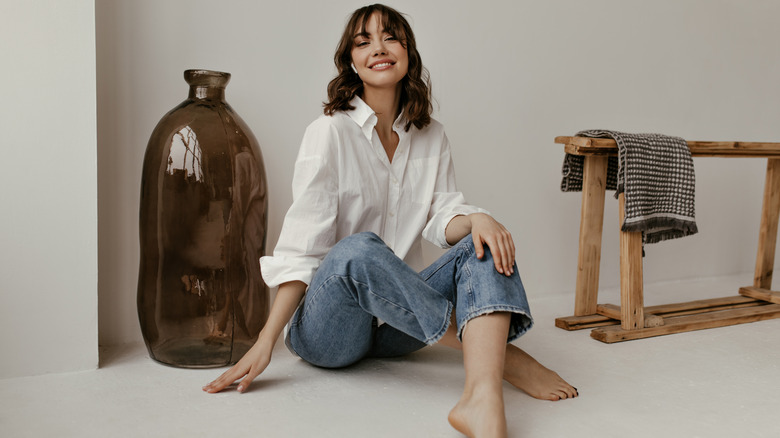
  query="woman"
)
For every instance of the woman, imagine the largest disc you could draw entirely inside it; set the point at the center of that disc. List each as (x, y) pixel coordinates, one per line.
(373, 177)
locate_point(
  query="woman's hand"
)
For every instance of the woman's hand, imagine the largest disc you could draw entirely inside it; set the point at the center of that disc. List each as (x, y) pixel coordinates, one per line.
(486, 230)
(258, 357)
(250, 366)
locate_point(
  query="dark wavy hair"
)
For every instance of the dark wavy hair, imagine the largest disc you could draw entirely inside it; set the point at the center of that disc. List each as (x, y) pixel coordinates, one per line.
(415, 86)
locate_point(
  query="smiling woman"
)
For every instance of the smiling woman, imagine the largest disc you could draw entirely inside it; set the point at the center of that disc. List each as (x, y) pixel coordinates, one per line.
(392, 30)
(374, 176)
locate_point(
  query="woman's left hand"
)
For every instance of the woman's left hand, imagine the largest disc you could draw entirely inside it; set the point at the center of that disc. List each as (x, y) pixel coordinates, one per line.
(486, 230)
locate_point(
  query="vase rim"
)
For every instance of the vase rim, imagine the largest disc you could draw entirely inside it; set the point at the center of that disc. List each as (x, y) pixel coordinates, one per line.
(208, 78)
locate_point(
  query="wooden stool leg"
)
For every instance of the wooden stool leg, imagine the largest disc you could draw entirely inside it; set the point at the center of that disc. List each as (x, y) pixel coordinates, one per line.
(631, 299)
(767, 236)
(594, 184)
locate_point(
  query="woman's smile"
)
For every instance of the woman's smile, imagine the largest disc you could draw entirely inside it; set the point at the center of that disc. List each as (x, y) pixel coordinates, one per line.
(381, 65)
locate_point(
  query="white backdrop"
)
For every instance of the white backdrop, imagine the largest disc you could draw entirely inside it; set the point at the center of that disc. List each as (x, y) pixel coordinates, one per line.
(508, 76)
(48, 190)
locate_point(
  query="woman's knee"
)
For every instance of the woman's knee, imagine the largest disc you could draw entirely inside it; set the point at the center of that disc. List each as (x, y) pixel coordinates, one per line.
(331, 360)
(357, 247)
(466, 245)
(359, 243)
(322, 353)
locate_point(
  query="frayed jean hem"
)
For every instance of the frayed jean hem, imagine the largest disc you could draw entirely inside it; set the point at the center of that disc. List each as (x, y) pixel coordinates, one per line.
(521, 321)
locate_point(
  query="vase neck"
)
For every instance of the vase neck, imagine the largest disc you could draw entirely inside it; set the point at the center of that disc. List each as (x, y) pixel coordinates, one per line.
(207, 84)
(212, 93)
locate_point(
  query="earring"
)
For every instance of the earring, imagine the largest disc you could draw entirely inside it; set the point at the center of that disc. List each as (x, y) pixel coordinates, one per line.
(353, 67)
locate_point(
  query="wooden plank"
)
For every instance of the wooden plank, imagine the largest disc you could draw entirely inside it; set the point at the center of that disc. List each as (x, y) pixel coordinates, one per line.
(665, 311)
(613, 311)
(681, 324)
(703, 306)
(631, 282)
(767, 235)
(591, 227)
(609, 310)
(571, 323)
(736, 149)
(599, 152)
(761, 294)
(687, 308)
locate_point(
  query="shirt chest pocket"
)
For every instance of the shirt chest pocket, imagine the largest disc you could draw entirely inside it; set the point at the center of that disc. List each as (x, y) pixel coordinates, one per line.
(421, 180)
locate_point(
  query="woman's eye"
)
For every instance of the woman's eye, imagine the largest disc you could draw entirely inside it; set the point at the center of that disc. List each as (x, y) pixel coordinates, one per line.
(361, 43)
(390, 38)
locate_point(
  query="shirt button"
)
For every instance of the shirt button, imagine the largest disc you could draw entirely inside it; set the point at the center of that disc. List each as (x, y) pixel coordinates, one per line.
(392, 214)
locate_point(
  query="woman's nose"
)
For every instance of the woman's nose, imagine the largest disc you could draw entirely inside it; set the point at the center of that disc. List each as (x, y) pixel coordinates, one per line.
(379, 49)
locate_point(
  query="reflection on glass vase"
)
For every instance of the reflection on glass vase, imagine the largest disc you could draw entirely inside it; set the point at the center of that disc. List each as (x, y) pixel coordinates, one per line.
(201, 298)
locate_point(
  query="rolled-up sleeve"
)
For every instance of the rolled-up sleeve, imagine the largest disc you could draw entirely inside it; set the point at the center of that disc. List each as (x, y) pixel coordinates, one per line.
(447, 201)
(309, 228)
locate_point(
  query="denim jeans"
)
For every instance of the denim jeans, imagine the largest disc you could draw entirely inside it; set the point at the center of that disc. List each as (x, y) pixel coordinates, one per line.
(361, 279)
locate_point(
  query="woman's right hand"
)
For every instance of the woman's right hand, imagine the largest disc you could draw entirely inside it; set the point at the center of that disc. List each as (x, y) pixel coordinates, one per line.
(250, 366)
(258, 357)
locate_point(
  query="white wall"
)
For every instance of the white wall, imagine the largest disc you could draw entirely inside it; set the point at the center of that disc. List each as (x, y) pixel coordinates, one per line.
(48, 224)
(509, 76)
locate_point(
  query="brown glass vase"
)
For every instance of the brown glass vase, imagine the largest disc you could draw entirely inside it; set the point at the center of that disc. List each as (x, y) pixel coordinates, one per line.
(201, 298)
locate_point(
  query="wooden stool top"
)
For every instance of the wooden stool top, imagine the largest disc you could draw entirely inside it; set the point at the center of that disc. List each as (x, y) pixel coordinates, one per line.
(607, 146)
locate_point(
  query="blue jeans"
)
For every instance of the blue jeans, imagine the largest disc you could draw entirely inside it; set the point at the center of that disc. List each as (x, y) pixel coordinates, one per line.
(361, 279)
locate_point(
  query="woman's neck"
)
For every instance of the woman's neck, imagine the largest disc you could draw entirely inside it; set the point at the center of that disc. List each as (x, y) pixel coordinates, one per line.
(385, 103)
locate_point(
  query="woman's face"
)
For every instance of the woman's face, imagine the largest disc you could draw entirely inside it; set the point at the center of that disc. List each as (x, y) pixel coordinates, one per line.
(380, 59)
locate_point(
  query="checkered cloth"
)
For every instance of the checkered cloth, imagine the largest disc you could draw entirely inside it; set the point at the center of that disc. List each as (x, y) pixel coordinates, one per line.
(656, 174)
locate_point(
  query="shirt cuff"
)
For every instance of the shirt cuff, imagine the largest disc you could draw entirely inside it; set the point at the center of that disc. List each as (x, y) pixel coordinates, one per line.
(281, 269)
(435, 231)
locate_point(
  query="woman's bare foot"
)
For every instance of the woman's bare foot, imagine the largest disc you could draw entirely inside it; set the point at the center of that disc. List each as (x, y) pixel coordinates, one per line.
(480, 414)
(525, 373)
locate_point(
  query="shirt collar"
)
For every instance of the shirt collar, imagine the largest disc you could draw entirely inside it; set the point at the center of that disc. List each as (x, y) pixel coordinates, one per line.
(365, 117)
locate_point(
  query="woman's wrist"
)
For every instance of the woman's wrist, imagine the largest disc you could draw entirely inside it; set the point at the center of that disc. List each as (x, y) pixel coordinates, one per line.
(266, 338)
(458, 228)
(287, 299)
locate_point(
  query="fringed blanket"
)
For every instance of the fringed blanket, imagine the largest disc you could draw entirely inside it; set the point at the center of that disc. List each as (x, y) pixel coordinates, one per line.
(656, 174)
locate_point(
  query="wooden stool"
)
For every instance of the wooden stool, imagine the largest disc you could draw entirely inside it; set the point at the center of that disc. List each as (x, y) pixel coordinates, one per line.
(632, 320)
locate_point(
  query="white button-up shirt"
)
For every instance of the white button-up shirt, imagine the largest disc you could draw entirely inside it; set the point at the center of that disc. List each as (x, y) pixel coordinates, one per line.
(344, 184)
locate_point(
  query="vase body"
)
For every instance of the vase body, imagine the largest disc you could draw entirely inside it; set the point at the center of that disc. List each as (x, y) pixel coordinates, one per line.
(201, 298)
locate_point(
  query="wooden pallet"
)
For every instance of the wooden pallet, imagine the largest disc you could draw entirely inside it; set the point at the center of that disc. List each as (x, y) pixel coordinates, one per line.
(631, 320)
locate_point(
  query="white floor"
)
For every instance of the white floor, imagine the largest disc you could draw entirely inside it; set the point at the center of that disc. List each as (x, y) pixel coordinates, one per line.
(714, 383)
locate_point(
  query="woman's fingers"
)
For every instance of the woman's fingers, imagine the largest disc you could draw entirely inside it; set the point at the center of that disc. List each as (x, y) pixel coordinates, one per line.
(498, 252)
(247, 380)
(487, 231)
(510, 248)
(246, 370)
(478, 245)
(503, 250)
(505, 254)
(226, 379)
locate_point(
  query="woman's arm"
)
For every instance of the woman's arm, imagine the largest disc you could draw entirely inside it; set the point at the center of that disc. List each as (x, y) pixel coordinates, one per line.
(308, 233)
(258, 357)
(484, 230)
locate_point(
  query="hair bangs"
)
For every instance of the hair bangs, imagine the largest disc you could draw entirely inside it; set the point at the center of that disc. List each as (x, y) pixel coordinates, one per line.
(388, 22)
